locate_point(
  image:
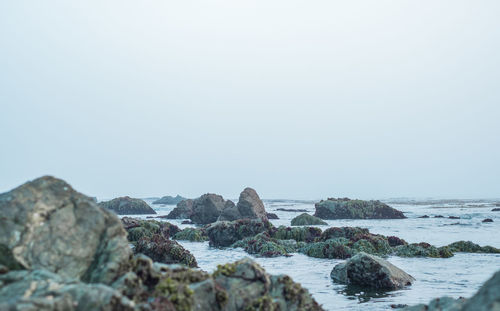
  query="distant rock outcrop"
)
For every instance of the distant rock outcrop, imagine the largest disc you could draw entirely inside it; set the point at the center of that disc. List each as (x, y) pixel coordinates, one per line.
(128, 206)
(249, 206)
(170, 200)
(355, 209)
(371, 271)
(307, 220)
(45, 224)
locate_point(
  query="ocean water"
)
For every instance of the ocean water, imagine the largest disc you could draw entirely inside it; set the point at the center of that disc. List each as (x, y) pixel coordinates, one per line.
(458, 276)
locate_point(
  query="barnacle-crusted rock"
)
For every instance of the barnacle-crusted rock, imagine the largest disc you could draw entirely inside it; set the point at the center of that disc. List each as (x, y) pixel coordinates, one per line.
(355, 209)
(44, 290)
(334, 249)
(342, 232)
(128, 206)
(422, 250)
(165, 251)
(138, 228)
(307, 220)
(224, 233)
(45, 224)
(371, 271)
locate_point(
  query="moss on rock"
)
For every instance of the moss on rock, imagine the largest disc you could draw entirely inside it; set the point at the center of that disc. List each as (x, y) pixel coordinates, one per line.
(307, 220)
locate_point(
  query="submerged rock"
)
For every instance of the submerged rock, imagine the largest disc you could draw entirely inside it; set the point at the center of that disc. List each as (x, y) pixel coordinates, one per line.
(487, 220)
(291, 210)
(170, 200)
(497, 209)
(355, 209)
(307, 220)
(272, 216)
(165, 251)
(45, 224)
(128, 206)
(44, 290)
(439, 304)
(249, 206)
(371, 271)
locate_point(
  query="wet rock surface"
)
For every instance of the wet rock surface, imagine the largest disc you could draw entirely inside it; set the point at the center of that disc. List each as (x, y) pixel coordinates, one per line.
(45, 224)
(371, 271)
(355, 209)
(128, 206)
(249, 206)
(163, 250)
(307, 220)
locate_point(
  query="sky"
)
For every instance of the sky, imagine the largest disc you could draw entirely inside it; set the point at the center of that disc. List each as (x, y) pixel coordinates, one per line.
(297, 99)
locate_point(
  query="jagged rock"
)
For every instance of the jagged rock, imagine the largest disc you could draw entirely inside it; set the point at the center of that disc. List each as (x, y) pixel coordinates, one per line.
(170, 200)
(45, 224)
(307, 220)
(225, 233)
(165, 251)
(249, 206)
(192, 234)
(138, 228)
(371, 271)
(128, 206)
(183, 210)
(43, 290)
(355, 209)
(272, 216)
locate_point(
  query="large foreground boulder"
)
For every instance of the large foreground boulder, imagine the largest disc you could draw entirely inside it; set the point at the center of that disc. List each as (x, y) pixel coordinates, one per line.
(128, 206)
(371, 271)
(355, 209)
(45, 224)
(487, 298)
(249, 206)
(42, 290)
(170, 200)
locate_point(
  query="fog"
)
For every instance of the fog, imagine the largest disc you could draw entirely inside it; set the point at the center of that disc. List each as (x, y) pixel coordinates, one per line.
(297, 99)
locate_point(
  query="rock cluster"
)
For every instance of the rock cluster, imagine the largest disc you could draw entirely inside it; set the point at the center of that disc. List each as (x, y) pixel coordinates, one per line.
(355, 209)
(210, 208)
(60, 251)
(128, 206)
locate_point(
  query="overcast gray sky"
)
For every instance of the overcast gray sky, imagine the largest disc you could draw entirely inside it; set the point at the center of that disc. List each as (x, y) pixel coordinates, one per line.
(298, 99)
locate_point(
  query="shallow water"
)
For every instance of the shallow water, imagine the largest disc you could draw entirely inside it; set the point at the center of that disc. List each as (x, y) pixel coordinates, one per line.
(458, 276)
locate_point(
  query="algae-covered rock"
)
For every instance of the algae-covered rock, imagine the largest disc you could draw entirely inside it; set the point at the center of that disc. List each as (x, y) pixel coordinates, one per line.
(342, 232)
(45, 224)
(265, 246)
(469, 247)
(334, 249)
(299, 234)
(138, 228)
(43, 290)
(191, 234)
(128, 206)
(224, 233)
(307, 220)
(355, 209)
(170, 200)
(367, 270)
(422, 250)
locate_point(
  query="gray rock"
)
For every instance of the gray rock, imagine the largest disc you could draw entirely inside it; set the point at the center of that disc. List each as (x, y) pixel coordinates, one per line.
(183, 210)
(24, 290)
(487, 298)
(207, 208)
(439, 304)
(225, 233)
(45, 224)
(128, 206)
(355, 209)
(170, 200)
(249, 206)
(371, 271)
